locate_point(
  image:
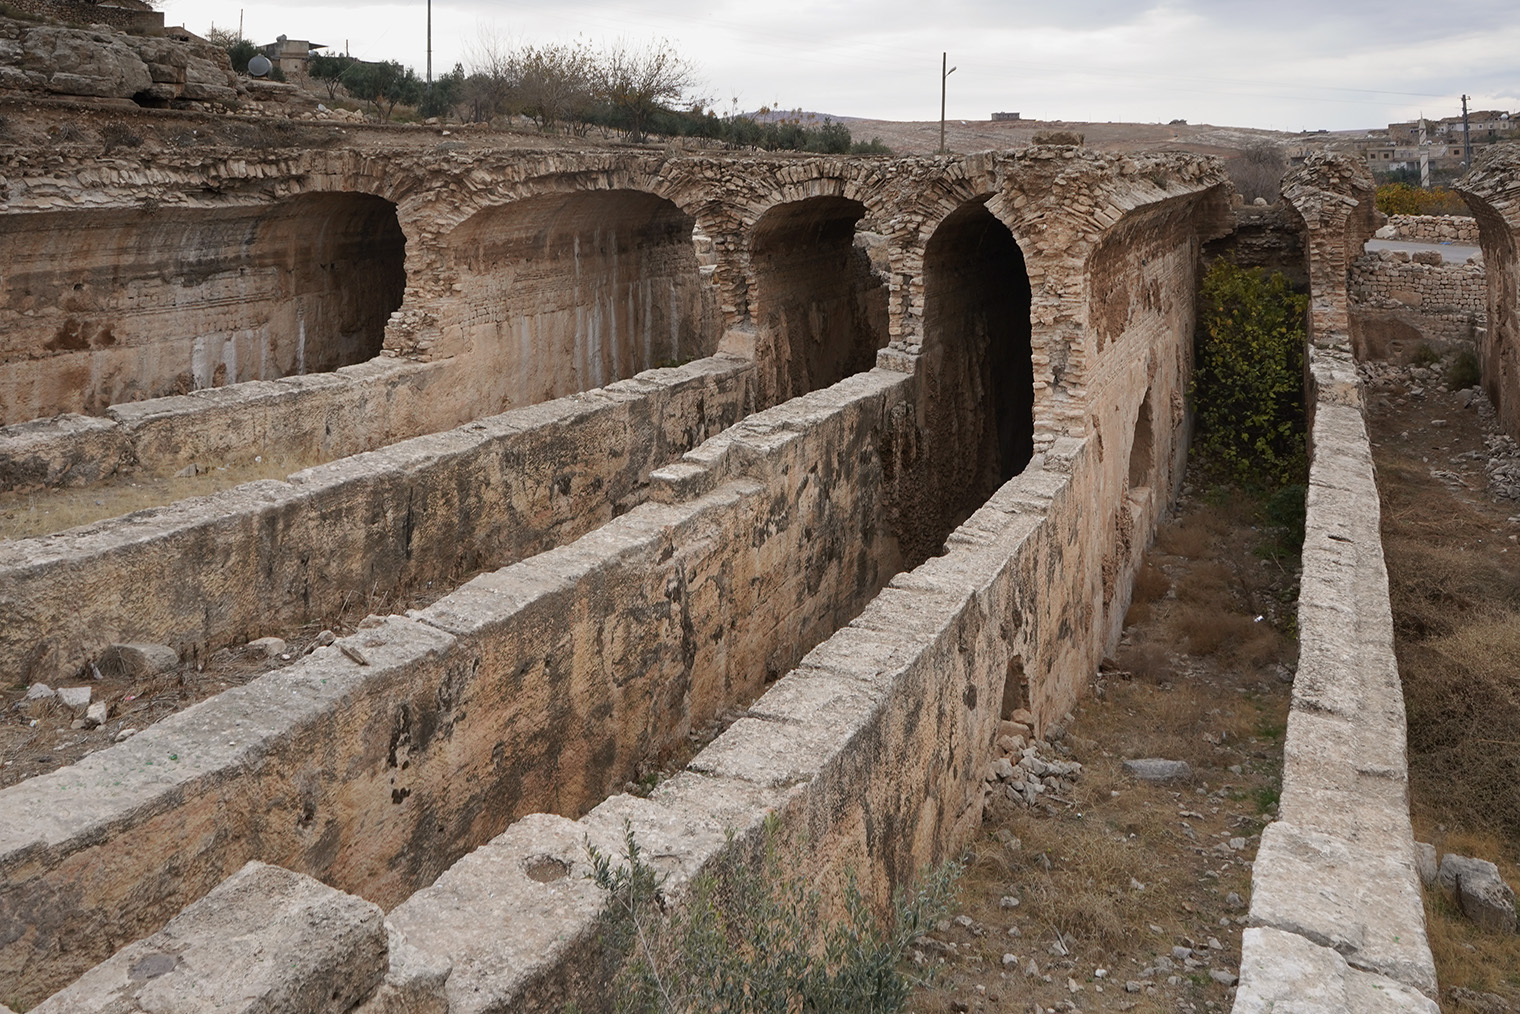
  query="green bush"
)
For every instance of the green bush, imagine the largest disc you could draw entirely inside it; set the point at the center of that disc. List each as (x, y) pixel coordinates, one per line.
(751, 940)
(1248, 379)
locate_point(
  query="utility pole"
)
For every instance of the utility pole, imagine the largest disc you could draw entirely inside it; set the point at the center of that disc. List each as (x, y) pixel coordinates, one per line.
(1424, 156)
(240, 24)
(944, 76)
(430, 46)
(1466, 137)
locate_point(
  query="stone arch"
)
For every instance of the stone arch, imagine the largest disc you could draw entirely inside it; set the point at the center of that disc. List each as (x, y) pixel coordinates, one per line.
(975, 369)
(110, 305)
(571, 289)
(820, 304)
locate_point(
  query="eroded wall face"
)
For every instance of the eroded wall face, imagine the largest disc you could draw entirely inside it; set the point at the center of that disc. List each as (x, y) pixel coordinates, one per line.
(569, 292)
(103, 307)
(820, 307)
(977, 398)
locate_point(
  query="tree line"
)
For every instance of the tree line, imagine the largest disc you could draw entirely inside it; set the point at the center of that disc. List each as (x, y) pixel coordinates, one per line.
(568, 87)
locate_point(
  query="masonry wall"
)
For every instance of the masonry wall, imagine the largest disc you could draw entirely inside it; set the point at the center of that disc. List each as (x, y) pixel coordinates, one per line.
(107, 306)
(1337, 920)
(1434, 229)
(268, 556)
(542, 686)
(1431, 287)
(1492, 191)
(566, 292)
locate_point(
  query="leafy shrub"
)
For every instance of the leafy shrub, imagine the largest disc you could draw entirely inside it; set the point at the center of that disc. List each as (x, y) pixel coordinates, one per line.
(1464, 371)
(1404, 199)
(1425, 356)
(751, 939)
(1248, 380)
(1283, 514)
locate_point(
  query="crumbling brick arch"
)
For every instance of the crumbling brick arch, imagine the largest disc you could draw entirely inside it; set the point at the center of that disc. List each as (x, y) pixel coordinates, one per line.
(571, 289)
(820, 306)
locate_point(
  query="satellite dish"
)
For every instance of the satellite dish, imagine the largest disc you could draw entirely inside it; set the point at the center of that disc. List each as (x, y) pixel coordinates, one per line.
(259, 65)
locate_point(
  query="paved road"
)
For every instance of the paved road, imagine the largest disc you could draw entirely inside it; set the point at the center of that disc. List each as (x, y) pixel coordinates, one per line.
(1451, 253)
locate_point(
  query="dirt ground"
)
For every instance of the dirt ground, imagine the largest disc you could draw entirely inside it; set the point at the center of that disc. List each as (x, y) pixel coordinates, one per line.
(1452, 542)
(1124, 895)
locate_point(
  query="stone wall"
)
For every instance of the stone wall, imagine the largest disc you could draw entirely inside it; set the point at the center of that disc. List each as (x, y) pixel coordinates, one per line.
(1492, 191)
(1337, 921)
(541, 686)
(111, 306)
(1422, 282)
(266, 557)
(1456, 229)
(870, 750)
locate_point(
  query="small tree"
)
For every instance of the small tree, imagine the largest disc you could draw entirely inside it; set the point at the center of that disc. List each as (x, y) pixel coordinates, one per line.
(384, 86)
(1248, 379)
(636, 82)
(331, 70)
(239, 50)
(446, 94)
(1258, 171)
(554, 82)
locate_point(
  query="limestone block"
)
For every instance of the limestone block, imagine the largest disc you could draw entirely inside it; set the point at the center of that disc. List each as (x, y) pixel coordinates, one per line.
(1425, 863)
(1157, 769)
(1476, 886)
(1358, 899)
(415, 983)
(267, 940)
(1283, 973)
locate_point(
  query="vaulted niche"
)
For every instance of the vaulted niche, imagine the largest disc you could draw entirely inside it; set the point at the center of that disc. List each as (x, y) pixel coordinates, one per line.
(820, 306)
(100, 307)
(571, 291)
(978, 393)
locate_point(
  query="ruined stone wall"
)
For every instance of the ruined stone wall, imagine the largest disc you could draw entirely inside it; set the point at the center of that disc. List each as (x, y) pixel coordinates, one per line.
(1337, 920)
(109, 306)
(1425, 284)
(1492, 191)
(541, 686)
(870, 750)
(269, 556)
(1432, 229)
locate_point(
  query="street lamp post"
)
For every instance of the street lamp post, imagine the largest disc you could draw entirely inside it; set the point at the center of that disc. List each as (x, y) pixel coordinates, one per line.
(944, 76)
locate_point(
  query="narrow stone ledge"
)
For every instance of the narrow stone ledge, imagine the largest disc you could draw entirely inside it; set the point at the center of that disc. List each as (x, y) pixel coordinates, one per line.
(1282, 973)
(267, 941)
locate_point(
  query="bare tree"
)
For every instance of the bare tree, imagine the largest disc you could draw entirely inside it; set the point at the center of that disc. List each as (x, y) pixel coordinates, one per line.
(491, 82)
(556, 82)
(637, 81)
(1258, 170)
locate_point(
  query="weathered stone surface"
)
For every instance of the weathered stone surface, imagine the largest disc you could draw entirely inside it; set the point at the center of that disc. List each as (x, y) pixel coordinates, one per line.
(266, 941)
(1157, 769)
(415, 982)
(76, 699)
(1425, 863)
(74, 61)
(137, 660)
(1282, 973)
(1478, 889)
(267, 647)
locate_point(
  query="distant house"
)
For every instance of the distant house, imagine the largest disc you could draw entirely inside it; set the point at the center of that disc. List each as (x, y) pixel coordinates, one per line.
(1004, 116)
(290, 55)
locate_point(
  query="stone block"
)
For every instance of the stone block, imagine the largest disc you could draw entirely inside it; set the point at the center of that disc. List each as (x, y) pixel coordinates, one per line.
(1282, 973)
(1157, 769)
(1425, 863)
(1478, 889)
(267, 940)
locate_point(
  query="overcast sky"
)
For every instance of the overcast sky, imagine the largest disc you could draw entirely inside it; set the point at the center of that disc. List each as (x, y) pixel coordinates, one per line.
(1288, 65)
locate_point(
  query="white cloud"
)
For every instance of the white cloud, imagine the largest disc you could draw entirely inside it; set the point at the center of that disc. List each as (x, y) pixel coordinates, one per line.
(1294, 64)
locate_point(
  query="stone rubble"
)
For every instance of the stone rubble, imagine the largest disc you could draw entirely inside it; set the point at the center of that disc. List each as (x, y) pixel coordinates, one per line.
(1025, 777)
(1479, 891)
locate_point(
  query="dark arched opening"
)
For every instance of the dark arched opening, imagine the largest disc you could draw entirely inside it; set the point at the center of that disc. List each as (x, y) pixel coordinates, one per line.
(820, 303)
(978, 393)
(571, 291)
(107, 306)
